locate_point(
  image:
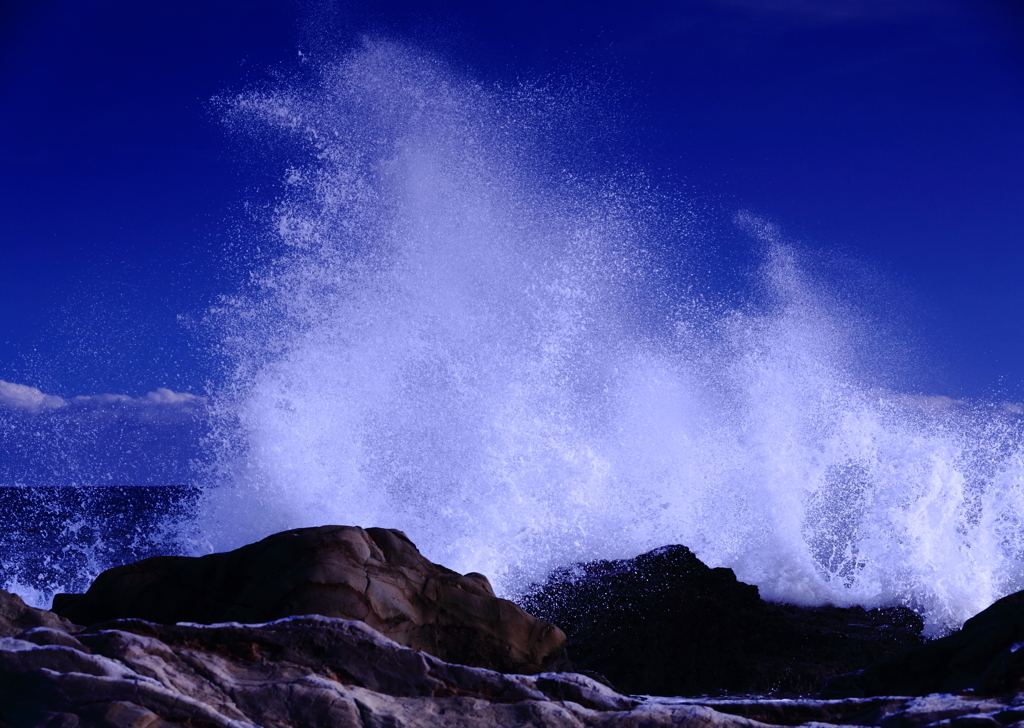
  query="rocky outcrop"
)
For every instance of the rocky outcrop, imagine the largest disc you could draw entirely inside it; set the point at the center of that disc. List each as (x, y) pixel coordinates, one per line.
(934, 711)
(166, 647)
(985, 657)
(16, 617)
(298, 671)
(666, 624)
(373, 575)
(333, 673)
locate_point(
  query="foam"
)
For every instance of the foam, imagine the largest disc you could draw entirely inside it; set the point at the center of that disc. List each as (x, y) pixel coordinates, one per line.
(448, 343)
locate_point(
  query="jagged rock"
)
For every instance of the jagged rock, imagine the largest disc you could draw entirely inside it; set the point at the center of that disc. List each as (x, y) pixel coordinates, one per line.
(374, 575)
(934, 711)
(985, 656)
(297, 671)
(334, 673)
(666, 624)
(16, 617)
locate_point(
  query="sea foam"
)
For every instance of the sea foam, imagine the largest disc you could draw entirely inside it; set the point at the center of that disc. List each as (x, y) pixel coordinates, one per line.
(453, 338)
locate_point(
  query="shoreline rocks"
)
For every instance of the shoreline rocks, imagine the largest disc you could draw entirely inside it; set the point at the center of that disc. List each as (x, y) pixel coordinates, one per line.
(17, 617)
(986, 657)
(664, 623)
(374, 575)
(337, 673)
(661, 612)
(297, 671)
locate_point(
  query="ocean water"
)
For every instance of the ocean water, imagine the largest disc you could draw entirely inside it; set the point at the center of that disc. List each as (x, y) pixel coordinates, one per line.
(451, 331)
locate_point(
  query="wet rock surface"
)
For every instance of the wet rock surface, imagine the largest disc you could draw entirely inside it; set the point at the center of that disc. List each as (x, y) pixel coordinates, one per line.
(373, 575)
(298, 671)
(341, 673)
(940, 710)
(661, 623)
(986, 657)
(664, 623)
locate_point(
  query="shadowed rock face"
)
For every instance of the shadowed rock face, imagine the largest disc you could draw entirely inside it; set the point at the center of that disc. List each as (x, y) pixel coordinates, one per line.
(985, 657)
(373, 575)
(333, 673)
(298, 671)
(16, 617)
(664, 623)
(652, 624)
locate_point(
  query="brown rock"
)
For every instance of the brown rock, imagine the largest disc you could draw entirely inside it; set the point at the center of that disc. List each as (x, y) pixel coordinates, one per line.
(299, 671)
(374, 575)
(333, 673)
(16, 617)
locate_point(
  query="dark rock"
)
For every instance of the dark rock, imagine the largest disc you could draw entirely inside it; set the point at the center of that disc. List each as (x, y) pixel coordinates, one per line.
(16, 617)
(299, 671)
(334, 673)
(985, 656)
(666, 624)
(931, 711)
(374, 575)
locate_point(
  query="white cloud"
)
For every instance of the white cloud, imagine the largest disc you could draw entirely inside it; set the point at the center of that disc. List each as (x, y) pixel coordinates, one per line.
(166, 396)
(104, 398)
(26, 398)
(162, 396)
(934, 401)
(21, 396)
(938, 403)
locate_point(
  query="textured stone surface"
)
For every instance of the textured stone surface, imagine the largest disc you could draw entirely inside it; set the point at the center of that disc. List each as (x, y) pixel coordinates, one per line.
(16, 617)
(333, 673)
(374, 575)
(985, 656)
(298, 671)
(937, 711)
(666, 624)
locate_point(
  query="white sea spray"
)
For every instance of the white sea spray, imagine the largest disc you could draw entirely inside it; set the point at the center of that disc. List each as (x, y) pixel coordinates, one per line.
(448, 342)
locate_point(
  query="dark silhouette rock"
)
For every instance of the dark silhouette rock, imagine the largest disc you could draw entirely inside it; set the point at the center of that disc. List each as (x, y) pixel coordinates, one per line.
(986, 657)
(16, 617)
(374, 575)
(335, 673)
(300, 671)
(666, 624)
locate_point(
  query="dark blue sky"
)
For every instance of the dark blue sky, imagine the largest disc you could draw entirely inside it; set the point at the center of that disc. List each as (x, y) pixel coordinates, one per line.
(892, 130)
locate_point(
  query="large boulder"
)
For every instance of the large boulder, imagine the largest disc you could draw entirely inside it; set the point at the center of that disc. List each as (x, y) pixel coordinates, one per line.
(374, 575)
(664, 623)
(984, 657)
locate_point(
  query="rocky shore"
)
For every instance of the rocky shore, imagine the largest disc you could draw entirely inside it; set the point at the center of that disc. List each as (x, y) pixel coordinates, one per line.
(344, 626)
(664, 623)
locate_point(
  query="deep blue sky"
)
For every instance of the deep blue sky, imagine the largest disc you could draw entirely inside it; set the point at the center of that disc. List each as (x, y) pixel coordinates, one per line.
(890, 129)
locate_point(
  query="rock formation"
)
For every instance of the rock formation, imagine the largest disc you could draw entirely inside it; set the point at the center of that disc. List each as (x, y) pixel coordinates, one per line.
(297, 671)
(984, 657)
(374, 575)
(16, 617)
(663, 622)
(666, 624)
(333, 673)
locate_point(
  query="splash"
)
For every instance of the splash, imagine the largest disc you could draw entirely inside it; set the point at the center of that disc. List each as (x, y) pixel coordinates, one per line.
(451, 339)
